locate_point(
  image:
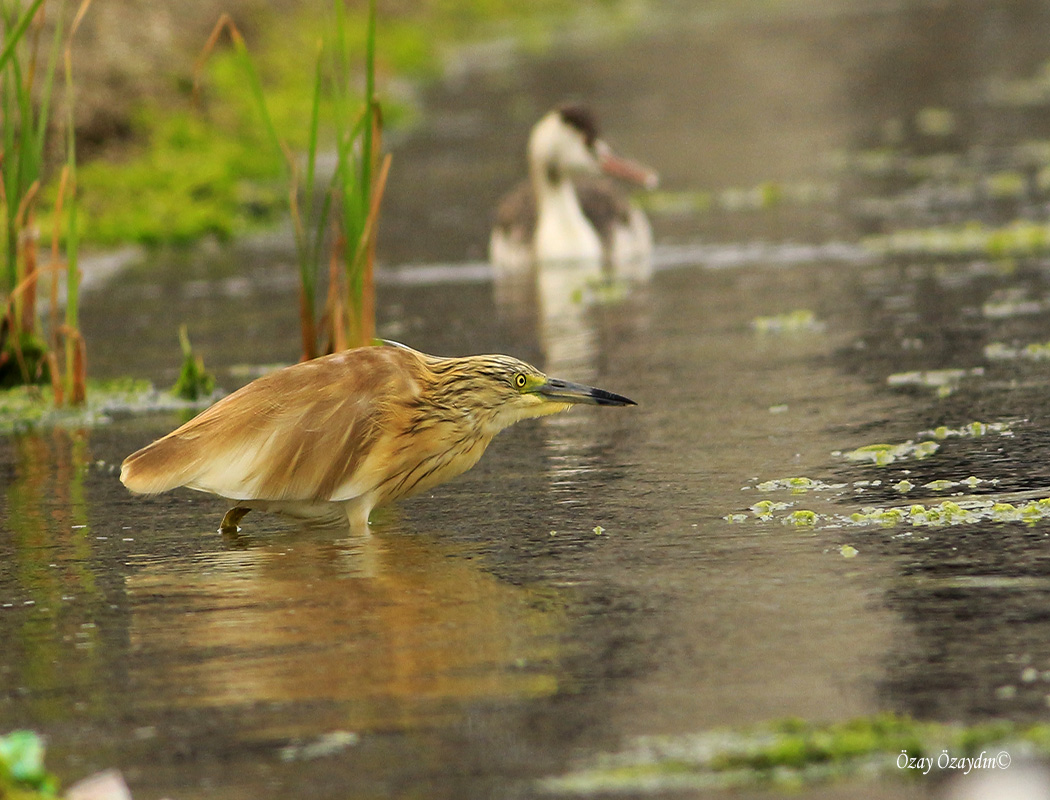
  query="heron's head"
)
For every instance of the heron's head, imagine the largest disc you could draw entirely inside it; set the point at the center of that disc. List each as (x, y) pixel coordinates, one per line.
(501, 390)
(565, 143)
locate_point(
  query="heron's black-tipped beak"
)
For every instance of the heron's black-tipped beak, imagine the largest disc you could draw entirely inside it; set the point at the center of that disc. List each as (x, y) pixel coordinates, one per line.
(565, 392)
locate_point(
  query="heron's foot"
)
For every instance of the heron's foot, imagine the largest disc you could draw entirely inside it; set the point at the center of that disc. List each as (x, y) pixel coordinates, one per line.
(231, 518)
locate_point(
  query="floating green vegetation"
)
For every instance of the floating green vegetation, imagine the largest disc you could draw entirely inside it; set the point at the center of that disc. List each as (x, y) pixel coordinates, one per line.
(939, 485)
(848, 551)
(802, 518)
(949, 512)
(602, 291)
(798, 321)
(1006, 185)
(803, 485)
(935, 122)
(22, 772)
(972, 430)
(944, 381)
(762, 197)
(798, 485)
(883, 454)
(954, 513)
(31, 407)
(1012, 302)
(1033, 351)
(793, 753)
(674, 203)
(887, 161)
(1017, 238)
(325, 745)
(1022, 92)
(764, 509)
(971, 483)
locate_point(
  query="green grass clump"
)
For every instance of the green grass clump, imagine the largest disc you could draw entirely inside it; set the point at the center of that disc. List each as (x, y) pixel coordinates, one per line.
(190, 182)
(194, 381)
(206, 167)
(22, 772)
(29, 65)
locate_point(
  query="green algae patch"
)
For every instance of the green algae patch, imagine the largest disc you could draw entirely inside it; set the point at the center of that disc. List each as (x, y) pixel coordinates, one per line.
(883, 454)
(677, 203)
(939, 485)
(793, 753)
(27, 408)
(942, 381)
(944, 485)
(934, 121)
(1020, 238)
(885, 517)
(764, 509)
(798, 485)
(848, 551)
(961, 511)
(802, 518)
(973, 430)
(1006, 185)
(1033, 351)
(1012, 302)
(761, 197)
(798, 321)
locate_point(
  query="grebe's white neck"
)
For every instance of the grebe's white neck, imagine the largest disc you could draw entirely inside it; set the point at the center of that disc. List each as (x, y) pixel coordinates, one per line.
(557, 152)
(563, 232)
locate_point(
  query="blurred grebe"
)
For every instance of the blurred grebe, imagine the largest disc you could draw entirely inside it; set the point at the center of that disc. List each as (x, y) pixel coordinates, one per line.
(566, 211)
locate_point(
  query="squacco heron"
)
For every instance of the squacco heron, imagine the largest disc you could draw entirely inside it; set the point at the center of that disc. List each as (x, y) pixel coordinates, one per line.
(333, 438)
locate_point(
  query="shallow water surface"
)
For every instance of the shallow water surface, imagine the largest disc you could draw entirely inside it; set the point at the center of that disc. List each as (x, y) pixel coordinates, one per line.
(582, 585)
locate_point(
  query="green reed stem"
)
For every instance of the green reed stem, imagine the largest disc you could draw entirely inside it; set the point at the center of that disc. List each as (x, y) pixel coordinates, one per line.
(351, 184)
(73, 391)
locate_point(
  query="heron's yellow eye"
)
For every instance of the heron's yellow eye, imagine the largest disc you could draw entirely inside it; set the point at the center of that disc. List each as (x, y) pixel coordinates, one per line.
(520, 380)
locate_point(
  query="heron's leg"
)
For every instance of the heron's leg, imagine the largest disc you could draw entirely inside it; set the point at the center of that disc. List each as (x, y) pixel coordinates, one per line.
(357, 512)
(231, 518)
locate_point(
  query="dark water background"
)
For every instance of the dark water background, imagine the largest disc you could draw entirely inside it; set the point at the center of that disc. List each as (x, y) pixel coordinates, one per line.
(485, 636)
